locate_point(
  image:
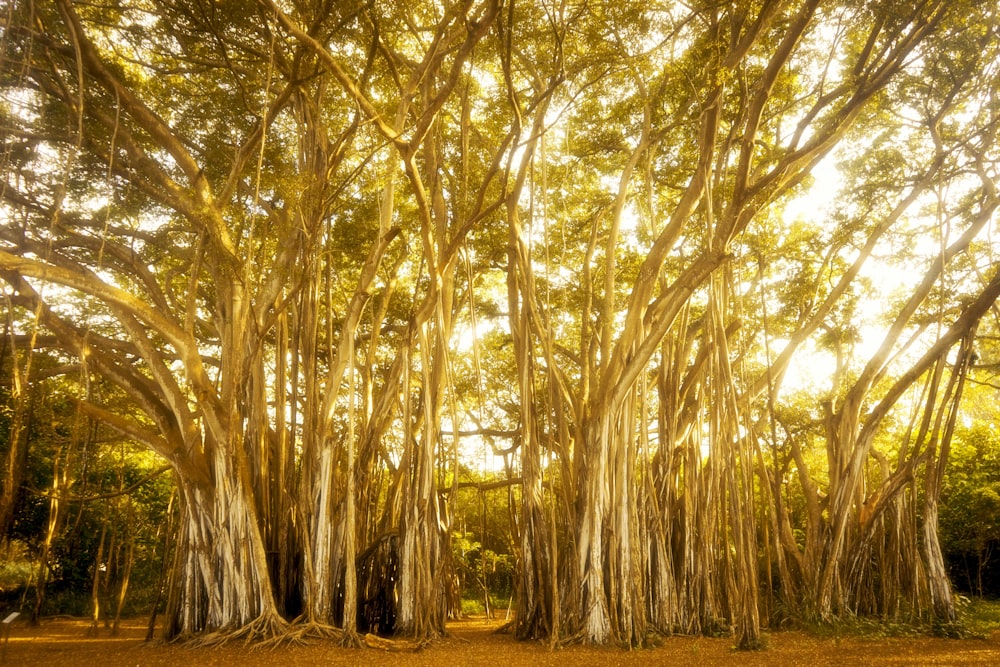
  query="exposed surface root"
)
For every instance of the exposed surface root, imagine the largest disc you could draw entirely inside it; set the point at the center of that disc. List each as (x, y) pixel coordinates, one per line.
(575, 639)
(302, 632)
(267, 628)
(394, 645)
(350, 639)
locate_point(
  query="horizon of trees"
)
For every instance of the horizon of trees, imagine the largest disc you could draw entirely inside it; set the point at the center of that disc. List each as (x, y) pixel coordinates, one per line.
(306, 257)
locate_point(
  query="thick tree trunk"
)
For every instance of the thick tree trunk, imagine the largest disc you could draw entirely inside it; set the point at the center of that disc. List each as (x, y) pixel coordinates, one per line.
(534, 601)
(220, 584)
(421, 609)
(942, 601)
(594, 612)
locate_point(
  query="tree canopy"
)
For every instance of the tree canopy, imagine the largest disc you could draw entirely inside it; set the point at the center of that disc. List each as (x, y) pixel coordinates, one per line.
(711, 279)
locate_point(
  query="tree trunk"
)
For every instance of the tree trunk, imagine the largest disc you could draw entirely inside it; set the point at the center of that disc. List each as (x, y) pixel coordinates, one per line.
(221, 588)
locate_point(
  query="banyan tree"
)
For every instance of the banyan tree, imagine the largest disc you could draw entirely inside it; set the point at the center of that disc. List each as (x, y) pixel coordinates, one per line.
(318, 250)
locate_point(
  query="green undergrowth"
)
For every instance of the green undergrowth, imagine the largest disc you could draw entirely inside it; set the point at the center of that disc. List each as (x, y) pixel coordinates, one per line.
(474, 606)
(979, 617)
(976, 619)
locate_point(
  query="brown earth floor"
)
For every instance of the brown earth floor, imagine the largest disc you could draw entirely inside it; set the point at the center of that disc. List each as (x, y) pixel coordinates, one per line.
(68, 642)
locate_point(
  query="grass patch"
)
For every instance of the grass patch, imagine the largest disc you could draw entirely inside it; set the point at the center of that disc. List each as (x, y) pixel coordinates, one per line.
(472, 607)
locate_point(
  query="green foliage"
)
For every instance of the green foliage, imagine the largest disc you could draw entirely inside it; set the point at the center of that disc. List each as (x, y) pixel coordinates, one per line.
(93, 465)
(970, 509)
(867, 627)
(978, 617)
(16, 568)
(481, 544)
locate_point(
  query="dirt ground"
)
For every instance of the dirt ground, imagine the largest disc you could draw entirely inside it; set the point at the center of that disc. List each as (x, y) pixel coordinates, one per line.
(68, 642)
